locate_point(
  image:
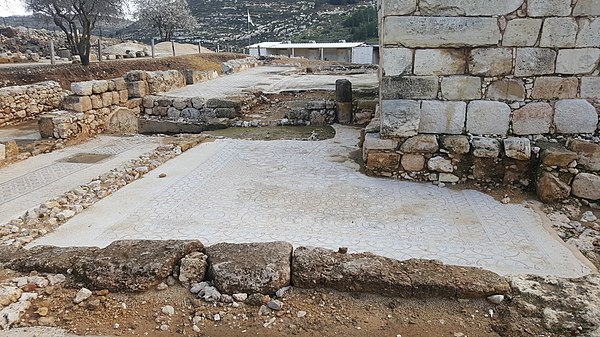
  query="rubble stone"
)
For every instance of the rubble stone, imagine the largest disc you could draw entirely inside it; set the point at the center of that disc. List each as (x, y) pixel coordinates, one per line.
(587, 186)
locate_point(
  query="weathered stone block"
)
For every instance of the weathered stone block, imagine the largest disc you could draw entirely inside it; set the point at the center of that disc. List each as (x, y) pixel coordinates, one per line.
(588, 153)
(587, 8)
(192, 268)
(559, 32)
(383, 161)
(588, 33)
(99, 86)
(77, 103)
(551, 189)
(468, 7)
(461, 88)
(552, 88)
(136, 75)
(535, 61)
(590, 87)
(119, 84)
(400, 118)
(488, 117)
(250, 267)
(491, 61)
(420, 144)
(398, 7)
(506, 90)
(540, 8)
(517, 148)
(225, 112)
(434, 32)
(115, 97)
(123, 96)
(587, 186)
(137, 88)
(413, 162)
(442, 117)
(448, 178)
(575, 116)
(532, 119)
(522, 32)
(456, 144)
(374, 142)
(439, 62)
(409, 87)
(181, 103)
(554, 154)
(96, 101)
(107, 99)
(577, 61)
(223, 103)
(396, 61)
(440, 164)
(486, 147)
(82, 88)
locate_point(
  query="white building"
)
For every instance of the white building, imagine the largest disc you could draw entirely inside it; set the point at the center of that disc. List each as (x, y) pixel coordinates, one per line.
(352, 52)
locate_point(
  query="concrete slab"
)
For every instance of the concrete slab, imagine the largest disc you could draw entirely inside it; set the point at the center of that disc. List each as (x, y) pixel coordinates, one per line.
(27, 184)
(269, 79)
(311, 193)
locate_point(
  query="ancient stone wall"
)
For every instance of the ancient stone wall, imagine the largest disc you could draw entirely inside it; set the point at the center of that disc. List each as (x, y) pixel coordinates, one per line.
(20, 103)
(471, 89)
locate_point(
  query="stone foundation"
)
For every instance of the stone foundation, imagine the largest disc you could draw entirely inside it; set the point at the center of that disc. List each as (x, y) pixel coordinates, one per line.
(21, 103)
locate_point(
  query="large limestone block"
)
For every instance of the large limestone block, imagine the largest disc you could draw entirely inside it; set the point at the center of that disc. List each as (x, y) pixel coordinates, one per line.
(409, 87)
(590, 87)
(442, 117)
(439, 62)
(82, 88)
(400, 118)
(398, 7)
(434, 32)
(587, 8)
(587, 186)
(539, 8)
(552, 88)
(559, 32)
(461, 88)
(588, 33)
(532, 119)
(522, 32)
(373, 141)
(575, 116)
(577, 61)
(99, 86)
(491, 61)
(588, 154)
(420, 144)
(369, 273)
(488, 117)
(396, 61)
(517, 148)
(506, 90)
(250, 267)
(77, 103)
(551, 189)
(137, 88)
(535, 61)
(468, 7)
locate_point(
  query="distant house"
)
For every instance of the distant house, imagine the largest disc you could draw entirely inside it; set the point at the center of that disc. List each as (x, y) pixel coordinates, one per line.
(352, 52)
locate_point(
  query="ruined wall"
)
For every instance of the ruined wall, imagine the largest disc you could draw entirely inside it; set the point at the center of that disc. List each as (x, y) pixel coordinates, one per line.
(20, 103)
(477, 84)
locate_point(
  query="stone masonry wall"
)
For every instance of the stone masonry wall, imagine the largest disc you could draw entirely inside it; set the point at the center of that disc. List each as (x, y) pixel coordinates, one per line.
(20, 103)
(473, 89)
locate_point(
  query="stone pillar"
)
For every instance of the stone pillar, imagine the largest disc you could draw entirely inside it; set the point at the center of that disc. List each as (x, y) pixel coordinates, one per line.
(343, 98)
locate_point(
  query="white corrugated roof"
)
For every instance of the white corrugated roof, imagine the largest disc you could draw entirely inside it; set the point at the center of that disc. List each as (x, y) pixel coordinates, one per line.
(281, 45)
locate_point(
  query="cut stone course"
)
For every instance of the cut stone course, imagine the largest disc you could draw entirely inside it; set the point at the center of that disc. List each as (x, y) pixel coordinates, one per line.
(535, 61)
(532, 119)
(506, 90)
(522, 32)
(540, 8)
(250, 267)
(400, 118)
(559, 33)
(486, 147)
(551, 88)
(396, 61)
(460, 88)
(399, 7)
(575, 116)
(434, 32)
(588, 33)
(577, 61)
(99, 86)
(488, 117)
(439, 62)
(587, 186)
(590, 87)
(442, 117)
(420, 144)
(491, 62)
(587, 8)
(468, 7)
(413, 87)
(588, 152)
(82, 88)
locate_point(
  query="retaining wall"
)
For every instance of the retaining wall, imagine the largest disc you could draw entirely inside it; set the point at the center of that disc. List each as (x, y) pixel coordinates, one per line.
(483, 75)
(20, 103)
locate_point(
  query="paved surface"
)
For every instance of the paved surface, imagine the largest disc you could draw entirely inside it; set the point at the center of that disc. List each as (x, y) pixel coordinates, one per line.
(27, 184)
(23, 132)
(270, 80)
(310, 193)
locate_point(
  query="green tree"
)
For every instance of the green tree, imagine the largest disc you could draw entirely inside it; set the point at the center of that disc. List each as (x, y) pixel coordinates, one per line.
(166, 16)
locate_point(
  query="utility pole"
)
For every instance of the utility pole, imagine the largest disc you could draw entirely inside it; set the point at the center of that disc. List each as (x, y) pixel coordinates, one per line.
(152, 48)
(52, 61)
(173, 46)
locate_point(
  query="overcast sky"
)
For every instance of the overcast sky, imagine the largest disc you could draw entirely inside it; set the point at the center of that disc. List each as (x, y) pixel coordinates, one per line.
(11, 7)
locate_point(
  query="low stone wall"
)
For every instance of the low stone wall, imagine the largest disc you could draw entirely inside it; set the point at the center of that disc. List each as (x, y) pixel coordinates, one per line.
(196, 76)
(322, 112)
(237, 65)
(20, 103)
(141, 83)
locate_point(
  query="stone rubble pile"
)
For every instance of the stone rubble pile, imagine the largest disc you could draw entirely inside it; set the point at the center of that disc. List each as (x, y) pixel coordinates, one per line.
(321, 112)
(21, 103)
(237, 65)
(20, 44)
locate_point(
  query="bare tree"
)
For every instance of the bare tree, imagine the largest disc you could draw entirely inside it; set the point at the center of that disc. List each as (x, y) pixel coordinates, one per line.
(166, 16)
(77, 19)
